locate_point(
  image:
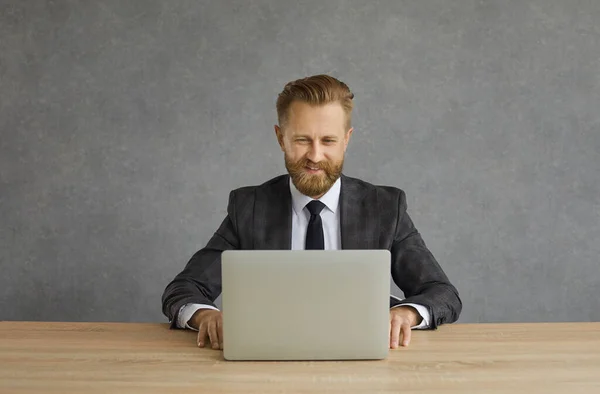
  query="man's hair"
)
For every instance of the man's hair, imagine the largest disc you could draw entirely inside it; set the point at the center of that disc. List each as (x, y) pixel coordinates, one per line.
(315, 90)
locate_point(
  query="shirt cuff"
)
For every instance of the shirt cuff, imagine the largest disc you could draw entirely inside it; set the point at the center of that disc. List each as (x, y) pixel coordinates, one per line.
(423, 311)
(187, 311)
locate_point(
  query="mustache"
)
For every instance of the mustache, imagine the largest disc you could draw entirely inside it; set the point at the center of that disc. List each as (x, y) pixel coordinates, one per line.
(307, 163)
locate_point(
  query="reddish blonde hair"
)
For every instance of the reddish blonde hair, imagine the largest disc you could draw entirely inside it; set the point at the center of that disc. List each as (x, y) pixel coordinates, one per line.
(315, 90)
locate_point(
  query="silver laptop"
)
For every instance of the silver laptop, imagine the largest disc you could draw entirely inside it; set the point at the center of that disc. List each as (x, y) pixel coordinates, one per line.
(305, 304)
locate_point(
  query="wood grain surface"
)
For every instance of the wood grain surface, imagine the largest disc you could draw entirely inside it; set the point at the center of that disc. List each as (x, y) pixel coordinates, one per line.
(150, 358)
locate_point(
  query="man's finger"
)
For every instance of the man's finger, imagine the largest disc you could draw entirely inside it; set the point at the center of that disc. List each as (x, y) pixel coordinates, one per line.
(394, 334)
(212, 334)
(405, 334)
(220, 332)
(202, 334)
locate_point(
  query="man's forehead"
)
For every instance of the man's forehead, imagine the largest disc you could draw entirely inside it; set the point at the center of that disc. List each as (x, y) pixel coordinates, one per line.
(322, 116)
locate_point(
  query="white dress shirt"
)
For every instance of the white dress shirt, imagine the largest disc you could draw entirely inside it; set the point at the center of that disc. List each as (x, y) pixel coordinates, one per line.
(330, 217)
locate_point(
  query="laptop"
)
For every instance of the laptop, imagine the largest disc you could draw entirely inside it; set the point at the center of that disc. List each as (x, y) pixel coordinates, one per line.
(305, 304)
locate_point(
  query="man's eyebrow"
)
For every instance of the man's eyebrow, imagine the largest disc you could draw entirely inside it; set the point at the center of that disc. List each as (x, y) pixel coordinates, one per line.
(302, 135)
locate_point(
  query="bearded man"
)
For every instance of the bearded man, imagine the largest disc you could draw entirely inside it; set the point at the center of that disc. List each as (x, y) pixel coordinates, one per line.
(315, 206)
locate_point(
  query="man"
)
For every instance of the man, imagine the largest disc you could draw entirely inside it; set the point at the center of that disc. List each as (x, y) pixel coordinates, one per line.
(315, 206)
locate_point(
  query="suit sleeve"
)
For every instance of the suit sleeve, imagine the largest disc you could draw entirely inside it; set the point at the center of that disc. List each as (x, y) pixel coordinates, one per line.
(418, 274)
(200, 280)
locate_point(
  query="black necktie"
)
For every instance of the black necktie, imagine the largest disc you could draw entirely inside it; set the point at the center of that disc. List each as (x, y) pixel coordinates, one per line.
(314, 232)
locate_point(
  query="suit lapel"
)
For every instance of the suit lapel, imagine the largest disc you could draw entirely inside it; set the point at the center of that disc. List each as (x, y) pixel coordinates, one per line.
(272, 222)
(359, 219)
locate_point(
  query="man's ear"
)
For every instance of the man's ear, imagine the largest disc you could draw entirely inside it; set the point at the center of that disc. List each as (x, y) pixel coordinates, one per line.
(347, 137)
(279, 134)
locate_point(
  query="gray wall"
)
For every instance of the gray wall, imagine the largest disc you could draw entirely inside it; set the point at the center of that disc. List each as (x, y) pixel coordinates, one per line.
(124, 125)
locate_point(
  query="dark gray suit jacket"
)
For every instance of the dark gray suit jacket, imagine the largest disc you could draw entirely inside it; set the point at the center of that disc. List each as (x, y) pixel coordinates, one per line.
(371, 217)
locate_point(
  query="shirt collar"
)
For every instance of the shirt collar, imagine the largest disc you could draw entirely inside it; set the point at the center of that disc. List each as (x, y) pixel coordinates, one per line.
(330, 199)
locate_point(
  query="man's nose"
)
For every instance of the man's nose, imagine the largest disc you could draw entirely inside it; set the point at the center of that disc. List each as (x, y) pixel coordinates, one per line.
(315, 154)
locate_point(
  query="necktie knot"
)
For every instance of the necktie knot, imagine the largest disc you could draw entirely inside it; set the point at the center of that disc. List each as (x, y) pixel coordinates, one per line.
(315, 207)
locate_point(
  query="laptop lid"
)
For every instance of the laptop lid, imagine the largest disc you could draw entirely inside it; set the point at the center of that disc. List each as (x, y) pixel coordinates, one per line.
(305, 304)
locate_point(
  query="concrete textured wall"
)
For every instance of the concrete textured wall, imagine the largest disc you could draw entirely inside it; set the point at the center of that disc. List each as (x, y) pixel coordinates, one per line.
(124, 124)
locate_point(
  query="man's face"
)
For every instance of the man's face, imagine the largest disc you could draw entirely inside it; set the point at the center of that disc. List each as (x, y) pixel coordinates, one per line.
(314, 140)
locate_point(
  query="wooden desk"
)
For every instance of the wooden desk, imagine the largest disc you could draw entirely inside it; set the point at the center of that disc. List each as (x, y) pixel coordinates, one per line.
(122, 358)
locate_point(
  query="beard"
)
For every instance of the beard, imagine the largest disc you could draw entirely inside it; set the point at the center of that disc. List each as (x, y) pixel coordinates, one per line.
(313, 185)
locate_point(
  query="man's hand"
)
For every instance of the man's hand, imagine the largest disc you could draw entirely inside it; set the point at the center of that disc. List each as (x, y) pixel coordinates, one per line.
(209, 324)
(402, 318)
